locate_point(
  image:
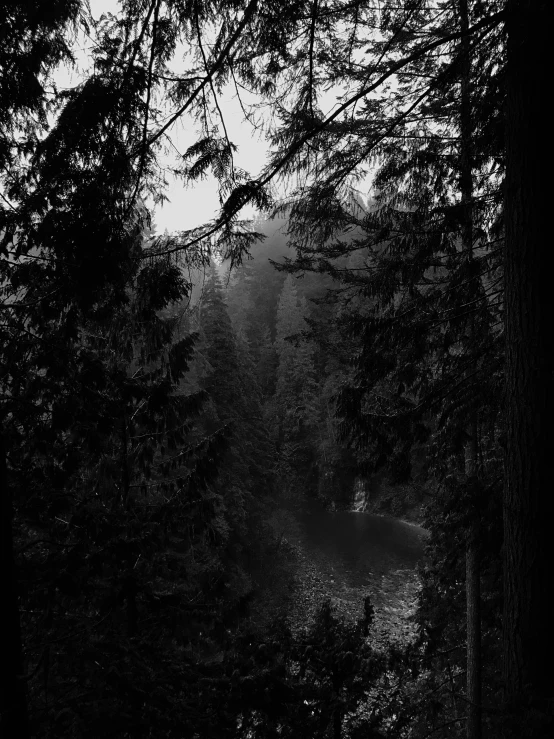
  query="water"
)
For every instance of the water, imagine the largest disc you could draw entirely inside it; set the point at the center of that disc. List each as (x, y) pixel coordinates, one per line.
(364, 554)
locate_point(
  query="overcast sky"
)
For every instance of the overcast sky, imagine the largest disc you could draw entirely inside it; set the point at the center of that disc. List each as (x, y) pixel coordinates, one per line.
(193, 206)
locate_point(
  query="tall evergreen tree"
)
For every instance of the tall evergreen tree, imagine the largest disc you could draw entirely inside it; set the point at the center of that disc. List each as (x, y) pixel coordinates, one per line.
(527, 506)
(427, 321)
(100, 447)
(71, 252)
(295, 395)
(246, 480)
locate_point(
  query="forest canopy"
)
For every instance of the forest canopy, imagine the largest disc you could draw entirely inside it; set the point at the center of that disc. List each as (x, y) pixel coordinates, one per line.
(383, 329)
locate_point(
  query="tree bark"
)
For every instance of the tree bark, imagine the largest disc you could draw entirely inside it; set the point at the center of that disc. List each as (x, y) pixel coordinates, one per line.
(473, 579)
(14, 718)
(125, 477)
(473, 604)
(529, 326)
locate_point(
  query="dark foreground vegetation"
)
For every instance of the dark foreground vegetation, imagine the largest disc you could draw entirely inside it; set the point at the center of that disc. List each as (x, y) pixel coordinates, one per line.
(164, 397)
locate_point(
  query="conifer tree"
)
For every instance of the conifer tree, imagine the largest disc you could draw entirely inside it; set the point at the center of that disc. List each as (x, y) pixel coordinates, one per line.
(103, 461)
(528, 647)
(295, 395)
(266, 367)
(111, 486)
(71, 226)
(246, 480)
(429, 305)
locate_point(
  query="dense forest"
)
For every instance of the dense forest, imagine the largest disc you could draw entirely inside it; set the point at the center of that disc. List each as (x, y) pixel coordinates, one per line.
(376, 338)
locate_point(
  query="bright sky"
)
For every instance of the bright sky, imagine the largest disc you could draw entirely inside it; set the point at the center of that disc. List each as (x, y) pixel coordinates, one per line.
(192, 206)
(195, 205)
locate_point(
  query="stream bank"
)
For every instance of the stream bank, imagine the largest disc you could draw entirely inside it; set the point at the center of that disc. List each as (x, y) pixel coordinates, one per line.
(346, 556)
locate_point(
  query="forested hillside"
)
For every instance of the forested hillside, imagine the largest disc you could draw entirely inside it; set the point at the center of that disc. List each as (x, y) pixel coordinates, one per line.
(175, 406)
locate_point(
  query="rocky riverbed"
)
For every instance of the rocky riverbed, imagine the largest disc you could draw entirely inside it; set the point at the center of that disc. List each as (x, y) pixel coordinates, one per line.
(321, 572)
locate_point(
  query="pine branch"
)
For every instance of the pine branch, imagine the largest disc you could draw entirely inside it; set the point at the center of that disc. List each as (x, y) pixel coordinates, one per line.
(220, 61)
(311, 56)
(292, 150)
(144, 150)
(220, 113)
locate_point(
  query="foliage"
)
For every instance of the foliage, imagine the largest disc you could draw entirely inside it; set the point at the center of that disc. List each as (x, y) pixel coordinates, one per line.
(119, 531)
(246, 480)
(137, 477)
(310, 684)
(419, 282)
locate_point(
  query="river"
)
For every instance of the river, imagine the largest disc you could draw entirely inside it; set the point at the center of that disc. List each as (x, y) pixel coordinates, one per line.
(348, 555)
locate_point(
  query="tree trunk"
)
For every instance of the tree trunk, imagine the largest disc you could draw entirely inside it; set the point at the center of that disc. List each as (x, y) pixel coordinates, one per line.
(473, 604)
(14, 720)
(125, 478)
(473, 590)
(529, 325)
(131, 591)
(337, 724)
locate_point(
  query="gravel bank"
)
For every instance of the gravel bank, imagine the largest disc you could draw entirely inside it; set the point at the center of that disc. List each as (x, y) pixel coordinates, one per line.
(316, 578)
